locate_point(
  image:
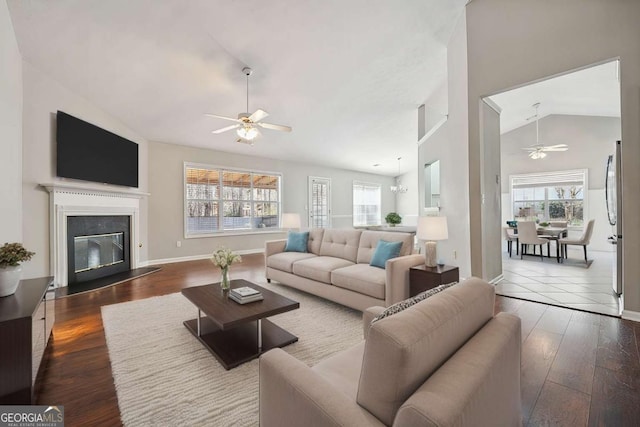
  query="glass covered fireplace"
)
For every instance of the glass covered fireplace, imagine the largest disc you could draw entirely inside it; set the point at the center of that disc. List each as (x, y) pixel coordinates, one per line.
(98, 246)
(98, 251)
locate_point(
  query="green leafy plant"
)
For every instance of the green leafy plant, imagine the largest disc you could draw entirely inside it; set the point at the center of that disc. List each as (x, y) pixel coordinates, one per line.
(393, 218)
(12, 254)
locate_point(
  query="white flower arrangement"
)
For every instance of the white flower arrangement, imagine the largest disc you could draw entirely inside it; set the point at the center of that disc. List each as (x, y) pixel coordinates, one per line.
(224, 257)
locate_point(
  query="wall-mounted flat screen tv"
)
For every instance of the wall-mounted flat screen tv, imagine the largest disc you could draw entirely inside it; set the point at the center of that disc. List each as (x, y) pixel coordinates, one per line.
(89, 153)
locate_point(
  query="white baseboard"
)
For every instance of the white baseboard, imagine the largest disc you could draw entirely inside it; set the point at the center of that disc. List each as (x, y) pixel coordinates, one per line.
(194, 258)
(497, 279)
(631, 315)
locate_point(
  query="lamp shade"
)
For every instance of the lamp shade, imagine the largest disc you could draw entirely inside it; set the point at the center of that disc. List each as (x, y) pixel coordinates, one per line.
(290, 220)
(432, 228)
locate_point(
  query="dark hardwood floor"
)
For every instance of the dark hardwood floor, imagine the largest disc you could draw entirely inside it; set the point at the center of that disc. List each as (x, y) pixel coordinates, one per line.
(577, 368)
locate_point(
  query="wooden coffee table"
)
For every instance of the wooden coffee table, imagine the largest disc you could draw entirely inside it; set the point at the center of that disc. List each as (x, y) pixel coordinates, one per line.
(236, 333)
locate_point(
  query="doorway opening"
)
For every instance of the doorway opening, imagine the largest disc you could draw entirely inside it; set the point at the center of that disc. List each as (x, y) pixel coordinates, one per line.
(556, 138)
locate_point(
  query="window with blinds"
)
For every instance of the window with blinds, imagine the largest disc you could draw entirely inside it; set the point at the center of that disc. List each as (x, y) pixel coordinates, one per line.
(367, 204)
(218, 200)
(550, 196)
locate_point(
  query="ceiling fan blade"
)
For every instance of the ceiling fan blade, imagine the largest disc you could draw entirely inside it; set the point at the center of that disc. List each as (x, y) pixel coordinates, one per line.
(225, 129)
(555, 149)
(223, 117)
(275, 127)
(258, 115)
(531, 149)
(557, 146)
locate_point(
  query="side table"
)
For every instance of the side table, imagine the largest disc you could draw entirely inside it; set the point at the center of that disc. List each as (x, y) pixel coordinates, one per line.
(422, 278)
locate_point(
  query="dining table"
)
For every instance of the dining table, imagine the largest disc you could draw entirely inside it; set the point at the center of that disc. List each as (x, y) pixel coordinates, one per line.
(551, 234)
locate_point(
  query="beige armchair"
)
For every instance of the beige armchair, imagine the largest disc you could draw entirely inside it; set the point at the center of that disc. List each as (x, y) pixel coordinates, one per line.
(581, 241)
(528, 235)
(444, 361)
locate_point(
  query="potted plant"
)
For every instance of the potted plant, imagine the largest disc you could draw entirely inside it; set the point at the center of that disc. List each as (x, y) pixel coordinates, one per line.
(223, 258)
(11, 255)
(393, 219)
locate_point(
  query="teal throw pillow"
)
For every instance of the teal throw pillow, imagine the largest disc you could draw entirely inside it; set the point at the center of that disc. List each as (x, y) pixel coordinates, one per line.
(297, 242)
(384, 251)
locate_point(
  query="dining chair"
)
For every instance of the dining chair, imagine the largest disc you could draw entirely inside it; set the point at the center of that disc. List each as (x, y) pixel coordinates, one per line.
(510, 237)
(581, 241)
(528, 235)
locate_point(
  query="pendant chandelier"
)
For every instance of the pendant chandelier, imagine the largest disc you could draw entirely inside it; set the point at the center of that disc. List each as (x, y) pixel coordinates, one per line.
(399, 188)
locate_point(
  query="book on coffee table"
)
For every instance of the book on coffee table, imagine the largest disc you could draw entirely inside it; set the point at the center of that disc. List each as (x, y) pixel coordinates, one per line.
(245, 300)
(244, 292)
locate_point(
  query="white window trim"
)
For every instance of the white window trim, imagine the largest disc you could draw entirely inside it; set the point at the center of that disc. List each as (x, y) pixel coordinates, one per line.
(221, 233)
(370, 184)
(585, 198)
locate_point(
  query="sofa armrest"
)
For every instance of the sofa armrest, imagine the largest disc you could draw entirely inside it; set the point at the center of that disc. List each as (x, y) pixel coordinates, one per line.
(273, 247)
(367, 316)
(397, 283)
(293, 394)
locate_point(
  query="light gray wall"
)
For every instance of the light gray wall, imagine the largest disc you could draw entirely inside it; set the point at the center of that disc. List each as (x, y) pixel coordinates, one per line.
(407, 204)
(511, 44)
(449, 145)
(591, 140)
(43, 97)
(490, 184)
(10, 131)
(166, 204)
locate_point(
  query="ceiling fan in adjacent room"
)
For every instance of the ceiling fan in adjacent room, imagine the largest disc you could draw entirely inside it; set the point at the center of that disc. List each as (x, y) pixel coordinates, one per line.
(539, 151)
(247, 125)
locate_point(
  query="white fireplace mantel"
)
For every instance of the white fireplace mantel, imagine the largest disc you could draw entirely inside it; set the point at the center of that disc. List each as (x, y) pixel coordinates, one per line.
(81, 200)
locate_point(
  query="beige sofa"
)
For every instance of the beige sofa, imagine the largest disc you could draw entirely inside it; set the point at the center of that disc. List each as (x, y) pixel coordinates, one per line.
(336, 267)
(445, 361)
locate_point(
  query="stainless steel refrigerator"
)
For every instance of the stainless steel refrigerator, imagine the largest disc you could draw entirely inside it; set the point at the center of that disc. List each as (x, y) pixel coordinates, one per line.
(614, 212)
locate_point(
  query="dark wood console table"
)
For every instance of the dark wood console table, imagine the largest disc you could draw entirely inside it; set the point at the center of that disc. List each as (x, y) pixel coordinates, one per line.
(26, 320)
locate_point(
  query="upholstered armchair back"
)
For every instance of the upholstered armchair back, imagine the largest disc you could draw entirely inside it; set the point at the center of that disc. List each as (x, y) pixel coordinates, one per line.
(404, 349)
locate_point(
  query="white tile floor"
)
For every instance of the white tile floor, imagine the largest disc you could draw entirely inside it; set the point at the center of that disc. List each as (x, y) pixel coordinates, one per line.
(569, 284)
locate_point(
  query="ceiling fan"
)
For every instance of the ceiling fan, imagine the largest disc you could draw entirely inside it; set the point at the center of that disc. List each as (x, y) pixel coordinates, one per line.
(539, 151)
(247, 124)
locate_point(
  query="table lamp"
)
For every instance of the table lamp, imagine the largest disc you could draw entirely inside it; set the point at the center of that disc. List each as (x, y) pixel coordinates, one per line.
(431, 229)
(290, 221)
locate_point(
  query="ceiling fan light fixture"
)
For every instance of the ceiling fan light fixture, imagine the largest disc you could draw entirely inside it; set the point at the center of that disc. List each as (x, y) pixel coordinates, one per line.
(536, 155)
(248, 132)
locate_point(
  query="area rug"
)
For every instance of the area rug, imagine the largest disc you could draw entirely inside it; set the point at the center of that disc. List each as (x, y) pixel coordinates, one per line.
(164, 376)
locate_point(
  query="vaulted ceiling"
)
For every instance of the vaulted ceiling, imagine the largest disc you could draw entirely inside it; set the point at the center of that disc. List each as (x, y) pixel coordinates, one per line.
(593, 91)
(348, 76)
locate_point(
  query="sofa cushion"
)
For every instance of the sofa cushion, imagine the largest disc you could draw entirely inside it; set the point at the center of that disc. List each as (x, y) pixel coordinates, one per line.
(384, 252)
(340, 243)
(297, 241)
(369, 241)
(361, 278)
(403, 350)
(319, 268)
(283, 261)
(403, 305)
(315, 240)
